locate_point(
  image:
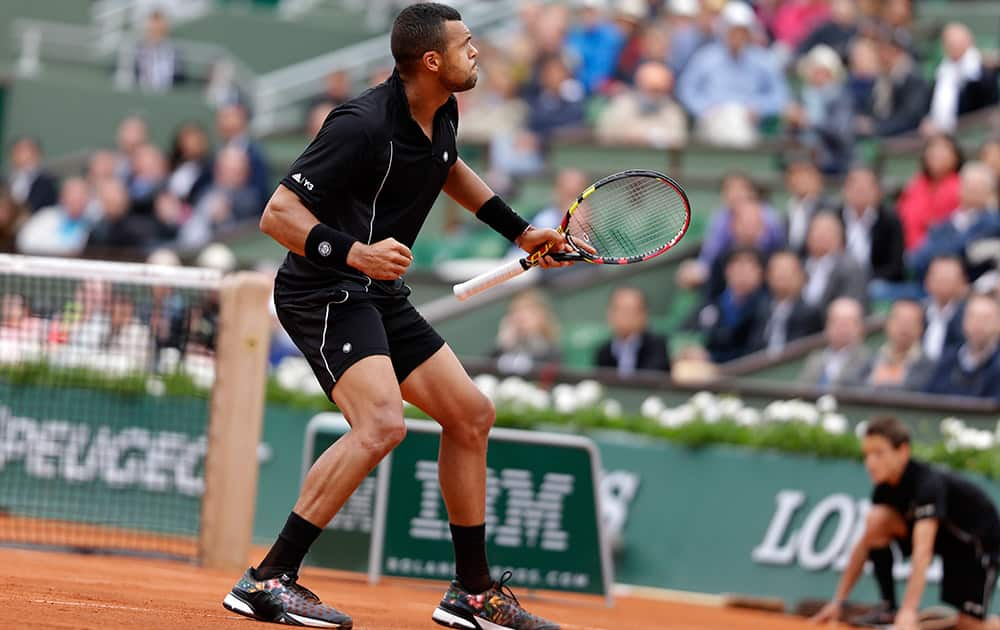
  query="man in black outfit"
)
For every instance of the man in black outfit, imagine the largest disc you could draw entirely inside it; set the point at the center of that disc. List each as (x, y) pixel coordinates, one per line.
(928, 511)
(348, 211)
(632, 347)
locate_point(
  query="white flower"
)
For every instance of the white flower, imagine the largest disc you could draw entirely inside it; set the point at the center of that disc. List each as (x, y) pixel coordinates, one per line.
(539, 399)
(826, 403)
(677, 417)
(835, 424)
(652, 407)
(730, 407)
(589, 392)
(804, 412)
(951, 426)
(511, 388)
(748, 417)
(685, 413)
(860, 429)
(777, 411)
(155, 386)
(487, 383)
(612, 408)
(564, 400)
(169, 359)
(704, 400)
(712, 414)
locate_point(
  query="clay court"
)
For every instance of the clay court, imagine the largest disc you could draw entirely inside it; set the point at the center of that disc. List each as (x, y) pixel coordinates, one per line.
(67, 591)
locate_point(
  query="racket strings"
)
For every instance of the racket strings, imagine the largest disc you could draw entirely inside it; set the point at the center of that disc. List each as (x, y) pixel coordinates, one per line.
(631, 216)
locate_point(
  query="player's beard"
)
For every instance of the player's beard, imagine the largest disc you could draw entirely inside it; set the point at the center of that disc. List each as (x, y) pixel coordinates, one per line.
(461, 84)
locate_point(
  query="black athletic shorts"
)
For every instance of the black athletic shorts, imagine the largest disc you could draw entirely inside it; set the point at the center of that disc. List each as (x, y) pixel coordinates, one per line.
(339, 326)
(968, 580)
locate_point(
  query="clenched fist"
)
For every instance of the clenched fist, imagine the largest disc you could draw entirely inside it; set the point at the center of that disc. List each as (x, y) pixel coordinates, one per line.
(385, 260)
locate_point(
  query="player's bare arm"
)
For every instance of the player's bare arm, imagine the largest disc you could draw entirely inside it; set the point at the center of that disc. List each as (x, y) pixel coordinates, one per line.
(924, 533)
(472, 193)
(873, 536)
(289, 222)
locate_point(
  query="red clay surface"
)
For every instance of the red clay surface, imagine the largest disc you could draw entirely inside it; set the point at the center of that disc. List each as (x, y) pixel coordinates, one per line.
(66, 591)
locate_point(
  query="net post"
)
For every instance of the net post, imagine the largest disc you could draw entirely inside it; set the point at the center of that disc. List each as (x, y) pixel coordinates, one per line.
(235, 421)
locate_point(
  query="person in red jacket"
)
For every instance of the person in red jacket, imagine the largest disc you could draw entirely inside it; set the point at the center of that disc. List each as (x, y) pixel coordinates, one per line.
(932, 194)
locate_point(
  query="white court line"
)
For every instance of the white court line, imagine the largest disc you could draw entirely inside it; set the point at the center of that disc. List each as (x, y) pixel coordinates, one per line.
(57, 602)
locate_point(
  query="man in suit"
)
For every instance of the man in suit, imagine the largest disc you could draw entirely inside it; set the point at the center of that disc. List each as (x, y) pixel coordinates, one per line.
(632, 347)
(784, 316)
(946, 286)
(232, 124)
(975, 219)
(962, 83)
(830, 271)
(846, 359)
(899, 98)
(30, 184)
(804, 184)
(973, 369)
(729, 321)
(158, 64)
(901, 363)
(874, 232)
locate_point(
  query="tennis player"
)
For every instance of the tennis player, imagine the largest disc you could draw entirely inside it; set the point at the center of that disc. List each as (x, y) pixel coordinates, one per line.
(348, 211)
(929, 511)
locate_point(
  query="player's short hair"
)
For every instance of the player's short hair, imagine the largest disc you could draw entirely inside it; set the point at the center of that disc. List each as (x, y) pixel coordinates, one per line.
(417, 29)
(889, 427)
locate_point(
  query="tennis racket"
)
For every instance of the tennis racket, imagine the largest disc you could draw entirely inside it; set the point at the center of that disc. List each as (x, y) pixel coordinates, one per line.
(624, 218)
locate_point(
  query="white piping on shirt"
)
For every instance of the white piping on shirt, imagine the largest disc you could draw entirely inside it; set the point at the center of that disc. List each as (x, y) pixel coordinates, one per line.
(371, 226)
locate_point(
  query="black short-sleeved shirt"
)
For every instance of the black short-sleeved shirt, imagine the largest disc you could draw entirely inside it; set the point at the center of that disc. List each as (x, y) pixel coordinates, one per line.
(370, 172)
(966, 516)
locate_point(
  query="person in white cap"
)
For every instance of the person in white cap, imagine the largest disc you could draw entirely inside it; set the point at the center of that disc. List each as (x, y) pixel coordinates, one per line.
(686, 33)
(823, 120)
(730, 86)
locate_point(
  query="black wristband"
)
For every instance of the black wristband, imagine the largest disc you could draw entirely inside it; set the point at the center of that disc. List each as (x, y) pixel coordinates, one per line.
(328, 247)
(502, 218)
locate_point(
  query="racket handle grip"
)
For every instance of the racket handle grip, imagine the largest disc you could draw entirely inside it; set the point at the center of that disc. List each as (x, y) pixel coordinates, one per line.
(489, 279)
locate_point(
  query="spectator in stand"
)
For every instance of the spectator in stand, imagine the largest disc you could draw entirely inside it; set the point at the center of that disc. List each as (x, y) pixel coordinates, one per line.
(316, 117)
(933, 193)
(989, 153)
(632, 346)
(962, 83)
(975, 218)
(824, 120)
(158, 65)
(232, 126)
(731, 319)
(874, 233)
(804, 184)
(797, 19)
(62, 229)
(528, 337)
(119, 229)
(493, 108)
(228, 203)
(337, 89)
(30, 184)
(749, 229)
(595, 42)
(863, 71)
(901, 363)
(837, 32)
(568, 185)
(653, 45)
(132, 133)
(946, 287)
(19, 330)
(784, 316)
(845, 360)
(736, 187)
(190, 163)
(972, 369)
(149, 176)
(831, 272)
(128, 340)
(630, 16)
(102, 165)
(731, 86)
(686, 33)
(900, 96)
(12, 217)
(647, 115)
(559, 102)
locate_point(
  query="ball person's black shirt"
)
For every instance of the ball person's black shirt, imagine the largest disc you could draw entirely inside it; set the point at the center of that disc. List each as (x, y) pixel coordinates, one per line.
(967, 518)
(370, 172)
